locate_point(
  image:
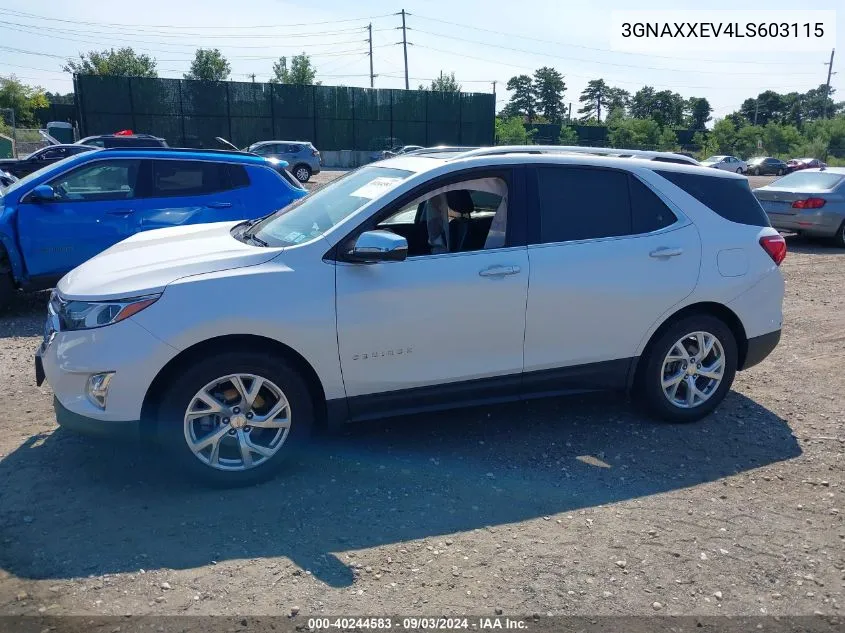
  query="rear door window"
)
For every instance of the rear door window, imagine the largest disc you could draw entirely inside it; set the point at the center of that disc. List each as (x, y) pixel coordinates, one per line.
(582, 203)
(648, 212)
(187, 178)
(730, 198)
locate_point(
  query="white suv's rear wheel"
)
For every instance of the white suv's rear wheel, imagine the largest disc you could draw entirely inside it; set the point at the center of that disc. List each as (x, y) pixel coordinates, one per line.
(689, 369)
(232, 419)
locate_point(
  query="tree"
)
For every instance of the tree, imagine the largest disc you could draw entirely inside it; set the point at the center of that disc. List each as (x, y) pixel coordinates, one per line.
(667, 108)
(511, 131)
(522, 100)
(55, 97)
(594, 97)
(635, 134)
(722, 139)
(642, 103)
(21, 98)
(698, 112)
(444, 83)
(302, 72)
(668, 140)
(123, 62)
(209, 65)
(548, 92)
(568, 136)
(618, 99)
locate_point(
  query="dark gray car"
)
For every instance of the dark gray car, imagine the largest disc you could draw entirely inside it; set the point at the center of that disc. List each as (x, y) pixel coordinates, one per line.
(810, 202)
(302, 157)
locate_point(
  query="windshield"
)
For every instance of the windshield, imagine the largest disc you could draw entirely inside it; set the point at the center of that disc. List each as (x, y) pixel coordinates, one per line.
(317, 213)
(809, 181)
(714, 159)
(756, 159)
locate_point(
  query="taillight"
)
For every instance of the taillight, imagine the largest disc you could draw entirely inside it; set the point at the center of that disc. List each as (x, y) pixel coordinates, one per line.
(775, 246)
(809, 203)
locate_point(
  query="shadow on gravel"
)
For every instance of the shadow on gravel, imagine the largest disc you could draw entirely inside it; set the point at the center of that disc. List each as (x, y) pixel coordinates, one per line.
(24, 315)
(801, 244)
(72, 507)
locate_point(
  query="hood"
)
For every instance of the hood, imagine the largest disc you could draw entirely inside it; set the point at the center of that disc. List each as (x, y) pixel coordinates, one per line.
(147, 262)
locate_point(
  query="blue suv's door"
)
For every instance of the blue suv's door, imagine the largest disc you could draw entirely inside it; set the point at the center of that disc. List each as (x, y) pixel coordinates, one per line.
(93, 210)
(191, 192)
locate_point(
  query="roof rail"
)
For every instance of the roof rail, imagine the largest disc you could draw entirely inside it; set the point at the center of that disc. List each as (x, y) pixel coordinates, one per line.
(442, 149)
(193, 150)
(572, 149)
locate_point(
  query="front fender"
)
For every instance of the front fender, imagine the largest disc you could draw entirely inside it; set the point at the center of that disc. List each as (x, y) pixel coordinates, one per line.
(13, 260)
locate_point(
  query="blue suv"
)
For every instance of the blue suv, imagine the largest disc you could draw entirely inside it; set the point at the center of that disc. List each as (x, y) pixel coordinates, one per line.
(59, 216)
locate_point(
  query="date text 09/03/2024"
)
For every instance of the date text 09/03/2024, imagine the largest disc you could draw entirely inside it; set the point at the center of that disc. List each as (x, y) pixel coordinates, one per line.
(417, 623)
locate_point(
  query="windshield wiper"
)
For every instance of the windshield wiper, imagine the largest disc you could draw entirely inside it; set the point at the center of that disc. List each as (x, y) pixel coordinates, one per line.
(256, 240)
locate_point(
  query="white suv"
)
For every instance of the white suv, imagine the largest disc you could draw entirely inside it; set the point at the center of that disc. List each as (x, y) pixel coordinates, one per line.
(419, 283)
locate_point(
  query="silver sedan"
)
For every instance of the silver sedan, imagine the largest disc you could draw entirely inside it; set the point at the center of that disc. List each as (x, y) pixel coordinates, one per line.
(810, 202)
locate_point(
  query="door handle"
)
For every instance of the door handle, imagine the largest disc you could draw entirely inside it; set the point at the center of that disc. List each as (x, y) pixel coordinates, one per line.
(666, 252)
(219, 205)
(121, 212)
(499, 271)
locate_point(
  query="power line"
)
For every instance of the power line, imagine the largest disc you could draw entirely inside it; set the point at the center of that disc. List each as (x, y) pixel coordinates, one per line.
(194, 26)
(605, 50)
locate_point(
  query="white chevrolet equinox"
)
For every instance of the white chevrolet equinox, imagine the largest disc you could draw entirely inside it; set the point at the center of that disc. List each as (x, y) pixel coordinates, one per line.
(421, 282)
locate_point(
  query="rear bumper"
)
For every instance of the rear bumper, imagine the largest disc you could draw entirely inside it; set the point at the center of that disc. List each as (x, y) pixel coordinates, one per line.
(759, 347)
(67, 419)
(818, 223)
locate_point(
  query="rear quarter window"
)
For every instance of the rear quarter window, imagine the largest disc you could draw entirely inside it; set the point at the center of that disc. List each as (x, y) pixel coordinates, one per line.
(731, 198)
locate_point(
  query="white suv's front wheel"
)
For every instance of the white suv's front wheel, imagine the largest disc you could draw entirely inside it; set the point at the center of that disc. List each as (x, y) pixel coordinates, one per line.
(689, 369)
(233, 418)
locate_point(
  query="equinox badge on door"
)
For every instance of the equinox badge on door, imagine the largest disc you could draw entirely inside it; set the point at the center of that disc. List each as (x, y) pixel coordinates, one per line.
(390, 352)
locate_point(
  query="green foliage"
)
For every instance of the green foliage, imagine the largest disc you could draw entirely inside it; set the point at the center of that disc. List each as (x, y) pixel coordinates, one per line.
(123, 62)
(568, 136)
(815, 148)
(636, 134)
(444, 83)
(594, 97)
(511, 131)
(548, 93)
(697, 111)
(721, 139)
(522, 100)
(209, 65)
(642, 103)
(618, 100)
(668, 141)
(21, 98)
(301, 72)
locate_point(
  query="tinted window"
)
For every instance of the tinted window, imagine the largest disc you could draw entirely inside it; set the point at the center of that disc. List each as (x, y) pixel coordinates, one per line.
(53, 154)
(731, 198)
(264, 150)
(237, 176)
(666, 159)
(187, 177)
(100, 180)
(648, 212)
(580, 204)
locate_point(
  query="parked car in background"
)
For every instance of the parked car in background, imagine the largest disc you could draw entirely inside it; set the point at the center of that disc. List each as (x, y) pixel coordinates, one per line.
(797, 164)
(20, 167)
(726, 163)
(302, 158)
(766, 166)
(810, 202)
(6, 179)
(406, 286)
(58, 217)
(123, 140)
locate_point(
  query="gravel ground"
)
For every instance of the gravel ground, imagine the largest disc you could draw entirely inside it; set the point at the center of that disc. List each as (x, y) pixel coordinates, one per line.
(563, 506)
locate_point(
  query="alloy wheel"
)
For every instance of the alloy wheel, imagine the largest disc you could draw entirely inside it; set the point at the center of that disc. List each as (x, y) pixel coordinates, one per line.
(237, 422)
(301, 174)
(693, 370)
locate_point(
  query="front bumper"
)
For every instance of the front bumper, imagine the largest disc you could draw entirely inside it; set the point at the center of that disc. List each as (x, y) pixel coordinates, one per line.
(123, 430)
(759, 347)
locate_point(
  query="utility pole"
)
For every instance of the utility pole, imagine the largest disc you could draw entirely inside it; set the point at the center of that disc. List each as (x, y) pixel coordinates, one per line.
(405, 48)
(494, 90)
(370, 40)
(827, 90)
(570, 112)
(253, 77)
(756, 109)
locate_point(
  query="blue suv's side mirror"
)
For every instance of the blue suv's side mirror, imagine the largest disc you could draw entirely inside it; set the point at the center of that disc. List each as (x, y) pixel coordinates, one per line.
(43, 193)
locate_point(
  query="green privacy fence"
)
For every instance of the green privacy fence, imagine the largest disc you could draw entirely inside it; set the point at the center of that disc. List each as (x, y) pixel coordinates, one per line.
(191, 113)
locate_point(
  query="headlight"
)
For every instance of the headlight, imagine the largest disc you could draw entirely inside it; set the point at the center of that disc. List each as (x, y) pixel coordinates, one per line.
(84, 315)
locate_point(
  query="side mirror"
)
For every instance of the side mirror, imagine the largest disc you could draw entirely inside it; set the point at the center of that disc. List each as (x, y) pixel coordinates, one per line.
(379, 246)
(43, 193)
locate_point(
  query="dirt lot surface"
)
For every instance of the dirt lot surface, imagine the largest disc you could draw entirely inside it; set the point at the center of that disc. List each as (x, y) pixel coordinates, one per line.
(563, 506)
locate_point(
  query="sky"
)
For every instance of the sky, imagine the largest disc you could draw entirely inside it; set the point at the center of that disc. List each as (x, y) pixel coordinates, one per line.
(480, 41)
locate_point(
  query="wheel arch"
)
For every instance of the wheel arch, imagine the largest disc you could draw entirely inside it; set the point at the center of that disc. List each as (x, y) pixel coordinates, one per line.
(711, 308)
(238, 342)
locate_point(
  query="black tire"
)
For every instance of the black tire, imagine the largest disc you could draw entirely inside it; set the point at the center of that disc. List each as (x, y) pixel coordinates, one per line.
(756, 171)
(739, 170)
(7, 289)
(779, 172)
(839, 238)
(650, 373)
(302, 173)
(176, 399)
